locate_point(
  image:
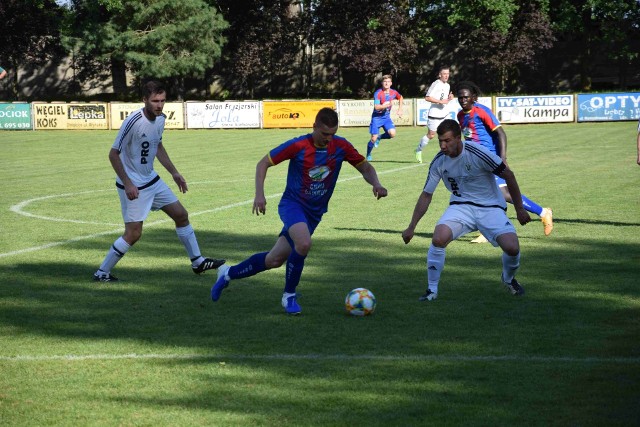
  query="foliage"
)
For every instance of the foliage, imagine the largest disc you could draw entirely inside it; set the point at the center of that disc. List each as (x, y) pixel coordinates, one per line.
(295, 47)
(373, 37)
(266, 39)
(30, 34)
(155, 38)
(501, 35)
(590, 23)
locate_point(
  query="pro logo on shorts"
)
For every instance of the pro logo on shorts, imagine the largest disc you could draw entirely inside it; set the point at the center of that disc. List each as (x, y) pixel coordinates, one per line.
(319, 173)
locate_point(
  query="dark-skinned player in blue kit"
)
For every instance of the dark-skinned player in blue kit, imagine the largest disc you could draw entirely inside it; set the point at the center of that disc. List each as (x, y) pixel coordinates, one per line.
(481, 126)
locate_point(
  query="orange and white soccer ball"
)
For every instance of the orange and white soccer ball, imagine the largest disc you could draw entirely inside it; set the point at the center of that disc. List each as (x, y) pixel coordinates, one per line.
(360, 302)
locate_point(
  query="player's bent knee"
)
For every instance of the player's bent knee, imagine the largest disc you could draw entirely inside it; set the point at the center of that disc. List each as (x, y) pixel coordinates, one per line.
(274, 262)
(303, 248)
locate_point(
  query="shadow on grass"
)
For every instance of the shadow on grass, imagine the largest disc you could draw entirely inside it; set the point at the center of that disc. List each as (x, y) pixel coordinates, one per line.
(577, 307)
(166, 304)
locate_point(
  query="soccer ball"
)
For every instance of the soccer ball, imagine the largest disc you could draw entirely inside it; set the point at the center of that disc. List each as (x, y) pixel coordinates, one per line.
(360, 302)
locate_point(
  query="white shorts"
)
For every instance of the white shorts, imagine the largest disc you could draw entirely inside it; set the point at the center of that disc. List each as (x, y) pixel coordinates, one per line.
(433, 123)
(151, 198)
(463, 219)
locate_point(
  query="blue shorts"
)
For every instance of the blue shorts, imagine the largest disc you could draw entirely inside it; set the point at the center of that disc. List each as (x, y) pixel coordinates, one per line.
(292, 213)
(381, 122)
(501, 182)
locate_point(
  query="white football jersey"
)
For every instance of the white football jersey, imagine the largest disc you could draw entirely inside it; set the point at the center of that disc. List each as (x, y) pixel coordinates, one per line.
(438, 90)
(137, 142)
(469, 176)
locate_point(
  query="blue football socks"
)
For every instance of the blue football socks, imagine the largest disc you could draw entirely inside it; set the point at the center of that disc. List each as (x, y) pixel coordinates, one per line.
(531, 206)
(295, 264)
(250, 266)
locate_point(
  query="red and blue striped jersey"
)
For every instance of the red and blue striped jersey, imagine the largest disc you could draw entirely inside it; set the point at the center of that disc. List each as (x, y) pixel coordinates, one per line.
(313, 172)
(380, 97)
(478, 125)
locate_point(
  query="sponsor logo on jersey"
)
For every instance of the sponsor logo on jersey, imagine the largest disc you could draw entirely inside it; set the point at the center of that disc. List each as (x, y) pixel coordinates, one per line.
(319, 173)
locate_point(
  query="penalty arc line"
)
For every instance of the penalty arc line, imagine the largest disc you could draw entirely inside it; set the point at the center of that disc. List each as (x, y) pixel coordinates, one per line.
(18, 209)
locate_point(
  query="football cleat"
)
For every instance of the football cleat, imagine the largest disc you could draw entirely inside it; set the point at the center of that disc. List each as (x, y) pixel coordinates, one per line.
(208, 264)
(221, 283)
(369, 158)
(290, 304)
(104, 277)
(480, 239)
(429, 295)
(547, 220)
(419, 156)
(514, 287)
(377, 143)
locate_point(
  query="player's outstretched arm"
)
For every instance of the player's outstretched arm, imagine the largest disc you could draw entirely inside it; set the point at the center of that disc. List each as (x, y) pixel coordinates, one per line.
(130, 190)
(638, 142)
(260, 201)
(371, 176)
(163, 158)
(516, 196)
(422, 205)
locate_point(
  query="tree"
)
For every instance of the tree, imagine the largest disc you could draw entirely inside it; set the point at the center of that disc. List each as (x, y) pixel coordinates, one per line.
(160, 39)
(30, 35)
(368, 37)
(266, 44)
(500, 35)
(600, 28)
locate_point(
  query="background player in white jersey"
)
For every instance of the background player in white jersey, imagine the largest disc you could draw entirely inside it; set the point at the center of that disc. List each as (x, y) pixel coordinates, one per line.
(141, 189)
(476, 203)
(439, 94)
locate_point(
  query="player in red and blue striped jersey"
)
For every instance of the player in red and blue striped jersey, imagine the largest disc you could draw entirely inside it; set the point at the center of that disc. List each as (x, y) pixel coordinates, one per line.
(315, 160)
(381, 117)
(481, 126)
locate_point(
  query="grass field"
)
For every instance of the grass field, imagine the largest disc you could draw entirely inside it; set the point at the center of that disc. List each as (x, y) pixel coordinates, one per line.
(154, 350)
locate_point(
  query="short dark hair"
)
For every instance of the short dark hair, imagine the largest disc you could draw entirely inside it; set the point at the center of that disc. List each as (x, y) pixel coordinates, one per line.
(328, 117)
(151, 87)
(470, 86)
(449, 125)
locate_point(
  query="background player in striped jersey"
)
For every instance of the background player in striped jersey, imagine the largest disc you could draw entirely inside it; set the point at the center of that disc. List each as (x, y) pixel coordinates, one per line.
(381, 116)
(439, 94)
(141, 189)
(315, 160)
(480, 125)
(467, 171)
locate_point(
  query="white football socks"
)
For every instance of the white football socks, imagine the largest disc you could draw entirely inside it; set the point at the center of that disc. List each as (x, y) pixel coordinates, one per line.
(435, 265)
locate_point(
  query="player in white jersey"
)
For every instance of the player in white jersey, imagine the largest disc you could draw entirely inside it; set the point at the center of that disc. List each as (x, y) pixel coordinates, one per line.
(141, 189)
(476, 203)
(439, 94)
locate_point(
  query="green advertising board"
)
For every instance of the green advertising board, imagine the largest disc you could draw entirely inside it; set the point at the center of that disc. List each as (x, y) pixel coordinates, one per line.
(15, 116)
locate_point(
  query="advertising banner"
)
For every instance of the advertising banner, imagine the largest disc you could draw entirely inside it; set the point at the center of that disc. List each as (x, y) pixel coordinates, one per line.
(596, 107)
(87, 116)
(173, 110)
(452, 108)
(358, 112)
(292, 114)
(223, 115)
(75, 115)
(15, 115)
(535, 109)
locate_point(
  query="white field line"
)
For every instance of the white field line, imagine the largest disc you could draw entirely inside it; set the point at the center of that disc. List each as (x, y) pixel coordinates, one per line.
(328, 357)
(19, 209)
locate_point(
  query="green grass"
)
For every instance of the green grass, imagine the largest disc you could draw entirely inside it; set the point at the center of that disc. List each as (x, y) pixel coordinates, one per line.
(154, 350)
